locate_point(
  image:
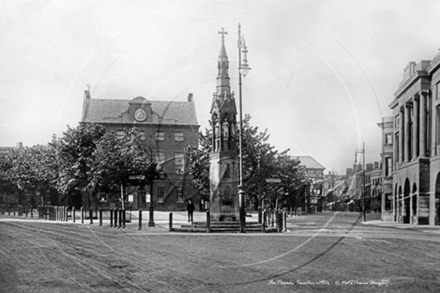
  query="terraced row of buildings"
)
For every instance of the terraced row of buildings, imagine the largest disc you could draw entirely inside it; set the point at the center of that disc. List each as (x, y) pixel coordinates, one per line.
(405, 188)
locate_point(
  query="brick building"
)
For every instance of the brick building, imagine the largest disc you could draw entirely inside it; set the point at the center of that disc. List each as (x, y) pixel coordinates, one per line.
(168, 127)
(314, 196)
(373, 187)
(387, 166)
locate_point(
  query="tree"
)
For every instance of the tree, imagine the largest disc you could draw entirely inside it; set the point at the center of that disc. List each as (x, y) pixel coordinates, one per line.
(75, 156)
(199, 161)
(6, 184)
(34, 168)
(116, 159)
(260, 161)
(294, 181)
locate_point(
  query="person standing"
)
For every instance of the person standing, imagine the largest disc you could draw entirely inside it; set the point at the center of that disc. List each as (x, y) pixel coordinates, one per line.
(190, 208)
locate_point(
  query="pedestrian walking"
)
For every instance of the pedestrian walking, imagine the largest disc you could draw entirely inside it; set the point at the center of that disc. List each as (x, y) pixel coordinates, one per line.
(190, 208)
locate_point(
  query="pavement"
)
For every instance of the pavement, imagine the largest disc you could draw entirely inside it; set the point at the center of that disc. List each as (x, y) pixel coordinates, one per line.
(162, 219)
(422, 228)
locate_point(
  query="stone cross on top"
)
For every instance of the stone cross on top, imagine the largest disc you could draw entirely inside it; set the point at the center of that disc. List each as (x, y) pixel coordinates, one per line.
(223, 33)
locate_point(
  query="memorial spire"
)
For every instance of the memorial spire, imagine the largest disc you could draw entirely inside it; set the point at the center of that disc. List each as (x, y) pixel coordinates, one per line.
(223, 85)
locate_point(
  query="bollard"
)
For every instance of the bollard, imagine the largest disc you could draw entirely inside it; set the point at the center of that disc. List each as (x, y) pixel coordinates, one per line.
(272, 216)
(82, 215)
(285, 221)
(140, 219)
(116, 218)
(280, 221)
(171, 222)
(100, 217)
(111, 217)
(263, 225)
(73, 214)
(91, 216)
(123, 219)
(120, 218)
(208, 222)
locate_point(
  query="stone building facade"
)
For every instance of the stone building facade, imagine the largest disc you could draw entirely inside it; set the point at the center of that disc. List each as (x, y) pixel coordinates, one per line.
(416, 148)
(434, 142)
(166, 126)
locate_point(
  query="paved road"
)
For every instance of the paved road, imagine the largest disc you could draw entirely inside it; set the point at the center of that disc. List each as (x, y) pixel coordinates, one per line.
(320, 253)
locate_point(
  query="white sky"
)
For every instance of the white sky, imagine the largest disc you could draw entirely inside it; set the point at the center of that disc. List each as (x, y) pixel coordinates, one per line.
(323, 72)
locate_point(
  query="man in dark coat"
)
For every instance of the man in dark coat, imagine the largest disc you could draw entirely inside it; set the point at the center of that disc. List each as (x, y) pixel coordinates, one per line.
(190, 208)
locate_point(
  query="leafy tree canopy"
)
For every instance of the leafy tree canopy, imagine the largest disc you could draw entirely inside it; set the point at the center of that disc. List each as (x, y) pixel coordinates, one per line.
(260, 161)
(33, 168)
(75, 155)
(116, 159)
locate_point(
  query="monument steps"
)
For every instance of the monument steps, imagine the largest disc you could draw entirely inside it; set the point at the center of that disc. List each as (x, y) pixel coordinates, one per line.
(225, 227)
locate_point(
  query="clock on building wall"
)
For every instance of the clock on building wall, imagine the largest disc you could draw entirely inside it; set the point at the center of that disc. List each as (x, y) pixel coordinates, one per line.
(140, 115)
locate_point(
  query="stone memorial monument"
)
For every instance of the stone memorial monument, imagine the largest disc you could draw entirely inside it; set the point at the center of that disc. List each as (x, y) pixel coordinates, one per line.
(223, 173)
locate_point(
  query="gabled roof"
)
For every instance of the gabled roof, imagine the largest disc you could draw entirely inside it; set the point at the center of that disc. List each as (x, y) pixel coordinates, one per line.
(111, 111)
(308, 162)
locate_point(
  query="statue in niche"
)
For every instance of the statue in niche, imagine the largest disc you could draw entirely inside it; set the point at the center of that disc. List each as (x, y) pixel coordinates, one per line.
(227, 194)
(226, 128)
(216, 134)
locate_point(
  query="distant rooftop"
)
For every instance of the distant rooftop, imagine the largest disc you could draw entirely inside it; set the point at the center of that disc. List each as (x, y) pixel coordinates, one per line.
(308, 162)
(115, 111)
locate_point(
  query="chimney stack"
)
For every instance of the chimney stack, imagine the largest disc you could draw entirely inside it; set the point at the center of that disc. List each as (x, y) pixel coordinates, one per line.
(87, 92)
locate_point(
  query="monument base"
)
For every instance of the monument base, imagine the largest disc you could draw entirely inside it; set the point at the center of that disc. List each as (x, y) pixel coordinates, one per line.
(221, 217)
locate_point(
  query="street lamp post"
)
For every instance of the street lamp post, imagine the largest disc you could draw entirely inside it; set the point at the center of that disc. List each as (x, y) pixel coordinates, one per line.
(159, 175)
(363, 187)
(363, 161)
(243, 69)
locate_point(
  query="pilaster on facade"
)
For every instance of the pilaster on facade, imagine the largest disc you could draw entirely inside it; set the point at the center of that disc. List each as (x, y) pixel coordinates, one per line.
(423, 123)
